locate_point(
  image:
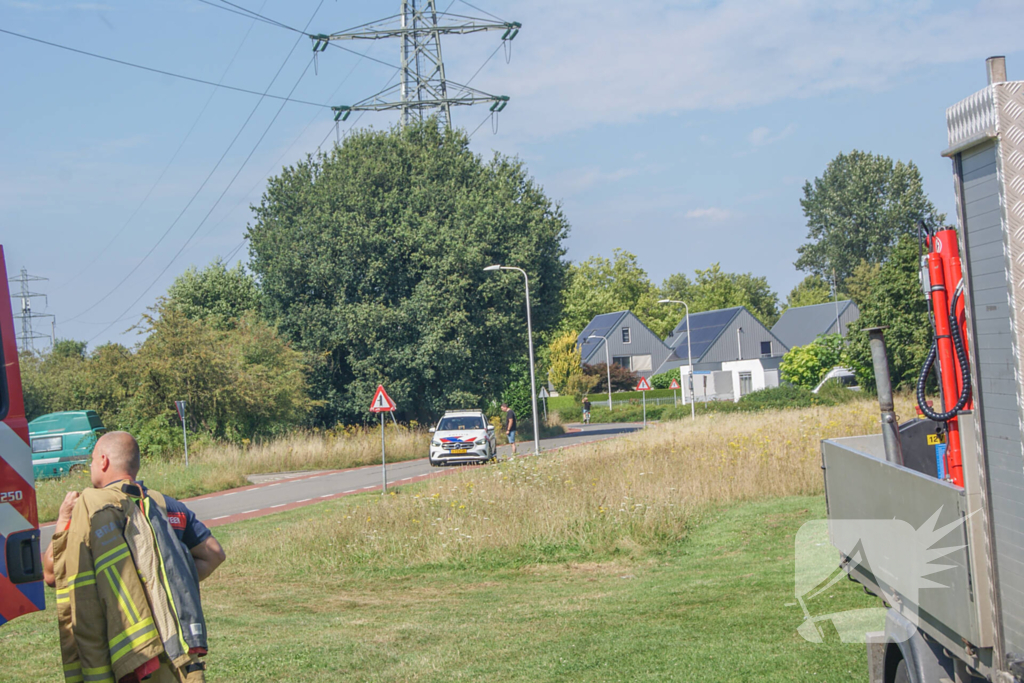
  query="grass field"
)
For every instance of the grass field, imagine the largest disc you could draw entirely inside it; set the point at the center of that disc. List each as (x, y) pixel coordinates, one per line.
(664, 556)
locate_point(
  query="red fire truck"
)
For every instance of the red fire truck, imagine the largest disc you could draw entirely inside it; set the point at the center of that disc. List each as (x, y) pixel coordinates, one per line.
(21, 571)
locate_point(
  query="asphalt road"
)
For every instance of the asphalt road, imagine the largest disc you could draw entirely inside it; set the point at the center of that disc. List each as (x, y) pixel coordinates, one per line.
(302, 489)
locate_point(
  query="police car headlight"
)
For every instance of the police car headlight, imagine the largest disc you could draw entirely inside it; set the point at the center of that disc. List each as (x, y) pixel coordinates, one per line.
(435, 444)
(480, 442)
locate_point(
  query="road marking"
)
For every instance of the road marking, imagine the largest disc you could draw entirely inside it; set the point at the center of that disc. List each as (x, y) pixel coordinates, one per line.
(230, 494)
(248, 511)
(214, 519)
(349, 491)
(366, 487)
(327, 495)
(303, 500)
(279, 505)
(272, 485)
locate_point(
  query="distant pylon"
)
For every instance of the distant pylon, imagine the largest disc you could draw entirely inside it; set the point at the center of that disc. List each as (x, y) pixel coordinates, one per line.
(423, 88)
(26, 339)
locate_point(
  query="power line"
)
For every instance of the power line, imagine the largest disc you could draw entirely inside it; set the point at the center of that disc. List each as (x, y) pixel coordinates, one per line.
(161, 71)
(248, 13)
(167, 167)
(231, 182)
(203, 185)
(493, 16)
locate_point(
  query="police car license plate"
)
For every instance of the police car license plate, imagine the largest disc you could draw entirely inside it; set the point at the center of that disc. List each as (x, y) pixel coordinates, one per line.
(458, 450)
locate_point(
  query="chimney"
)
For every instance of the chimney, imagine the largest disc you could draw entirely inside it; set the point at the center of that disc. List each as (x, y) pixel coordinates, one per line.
(996, 68)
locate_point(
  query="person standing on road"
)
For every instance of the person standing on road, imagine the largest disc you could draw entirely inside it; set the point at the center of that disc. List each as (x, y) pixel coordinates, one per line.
(586, 410)
(510, 425)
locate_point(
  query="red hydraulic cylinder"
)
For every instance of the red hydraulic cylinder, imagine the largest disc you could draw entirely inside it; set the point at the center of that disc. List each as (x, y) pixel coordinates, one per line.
(947, 247)
(947, 364)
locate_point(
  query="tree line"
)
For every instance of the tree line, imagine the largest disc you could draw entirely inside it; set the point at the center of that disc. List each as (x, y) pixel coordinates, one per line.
(366, 267)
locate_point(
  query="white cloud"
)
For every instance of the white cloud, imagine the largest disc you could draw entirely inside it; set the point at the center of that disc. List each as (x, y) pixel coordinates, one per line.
(581, 63)
(711, 213)
(763, 135)
(580, 179)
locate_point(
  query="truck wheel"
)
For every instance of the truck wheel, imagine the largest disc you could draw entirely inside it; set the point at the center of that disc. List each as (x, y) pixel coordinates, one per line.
(902, 673)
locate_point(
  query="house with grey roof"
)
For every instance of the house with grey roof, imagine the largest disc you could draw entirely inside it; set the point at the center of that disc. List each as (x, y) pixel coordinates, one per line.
(801, 325)
(732, 351)
(630, 343)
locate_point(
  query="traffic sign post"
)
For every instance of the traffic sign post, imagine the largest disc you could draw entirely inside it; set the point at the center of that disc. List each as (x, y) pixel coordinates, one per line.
(644, 386)
(544, 397)
(673, 386)
(180, 407)
(382, 403)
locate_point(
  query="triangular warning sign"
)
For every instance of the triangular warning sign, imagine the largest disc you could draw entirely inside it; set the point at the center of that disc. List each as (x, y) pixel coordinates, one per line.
(673, 385)
(382, 403)
(643, 385)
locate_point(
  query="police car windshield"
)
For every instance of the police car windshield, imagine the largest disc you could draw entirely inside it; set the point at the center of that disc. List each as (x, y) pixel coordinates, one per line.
(460, 423)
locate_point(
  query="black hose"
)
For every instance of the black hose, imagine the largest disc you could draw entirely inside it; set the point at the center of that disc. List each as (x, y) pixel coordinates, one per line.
(961, 354)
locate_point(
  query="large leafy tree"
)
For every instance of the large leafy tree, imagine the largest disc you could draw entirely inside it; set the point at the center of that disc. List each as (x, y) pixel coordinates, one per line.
(371, 257)
(808, 292)
(895, 300)
(600, 285)
(858, 210)
(564, 360)
(712, 289)
(804, 366)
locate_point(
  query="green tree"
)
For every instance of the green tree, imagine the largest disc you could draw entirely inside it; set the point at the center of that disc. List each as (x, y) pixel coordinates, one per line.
(896, 301)
(712, 289)
(216, 292)
(599, 285)
(858, 210)
(371, 259)
(810, 291)
(804, 366)
(858, 285)
(564, 360)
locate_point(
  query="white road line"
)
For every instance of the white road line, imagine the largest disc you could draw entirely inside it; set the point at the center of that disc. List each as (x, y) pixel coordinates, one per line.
(272, 485)
(279, 505)
(349, 491)
(327, 495)
(230, 494)
(366, 487)
(248, 511)
(303, 500)
(213, 519)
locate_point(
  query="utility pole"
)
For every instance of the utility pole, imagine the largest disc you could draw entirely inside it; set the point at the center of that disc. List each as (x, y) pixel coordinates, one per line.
(26, 339)
(423, 88)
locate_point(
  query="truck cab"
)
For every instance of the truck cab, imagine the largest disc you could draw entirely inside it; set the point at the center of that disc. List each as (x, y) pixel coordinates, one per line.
(21, 570)
(62, 442)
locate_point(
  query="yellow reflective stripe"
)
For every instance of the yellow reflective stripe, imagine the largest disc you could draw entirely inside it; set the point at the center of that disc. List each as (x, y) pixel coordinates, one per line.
(122, 597)
(163, 578)
(105, 677)
(141, 637)
(114, 560)
(78, 578)
(96, 670)
(131, 630)
(72, 666)
(73, 678)
(110, 552)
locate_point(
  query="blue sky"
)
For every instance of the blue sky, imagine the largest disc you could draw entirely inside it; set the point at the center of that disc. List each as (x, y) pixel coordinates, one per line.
(681, 131)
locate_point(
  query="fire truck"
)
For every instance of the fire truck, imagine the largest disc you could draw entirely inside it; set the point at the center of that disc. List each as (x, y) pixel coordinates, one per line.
(21, 570)
(929, 515)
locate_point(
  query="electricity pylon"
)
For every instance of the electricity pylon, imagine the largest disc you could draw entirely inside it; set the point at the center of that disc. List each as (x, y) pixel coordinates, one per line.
(423, 88)
(26, 340)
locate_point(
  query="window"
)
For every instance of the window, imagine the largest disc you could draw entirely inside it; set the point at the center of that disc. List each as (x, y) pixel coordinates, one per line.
(640, 363)
(46, 444)
(455, 424)
(746, 383)
(621, 360)
(625, 335)
(766, 349)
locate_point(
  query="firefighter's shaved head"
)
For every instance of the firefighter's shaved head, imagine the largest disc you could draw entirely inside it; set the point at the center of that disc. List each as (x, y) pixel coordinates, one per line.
(115, 457)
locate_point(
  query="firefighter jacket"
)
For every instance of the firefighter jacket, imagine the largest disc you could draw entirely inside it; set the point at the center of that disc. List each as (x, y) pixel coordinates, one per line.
(114, 607)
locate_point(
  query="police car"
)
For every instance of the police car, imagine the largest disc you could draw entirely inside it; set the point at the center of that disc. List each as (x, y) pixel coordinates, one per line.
(462, 436)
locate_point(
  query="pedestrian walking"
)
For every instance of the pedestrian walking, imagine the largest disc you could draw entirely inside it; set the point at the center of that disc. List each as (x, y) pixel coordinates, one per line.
(510, 425)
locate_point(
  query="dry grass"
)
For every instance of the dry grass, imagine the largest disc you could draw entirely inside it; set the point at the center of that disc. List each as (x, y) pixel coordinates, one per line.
(619, 496)
(223, 466)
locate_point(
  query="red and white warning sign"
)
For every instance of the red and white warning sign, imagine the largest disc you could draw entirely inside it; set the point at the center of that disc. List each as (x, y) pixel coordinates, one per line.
(643, 385)
(382, 403)
(673, 385)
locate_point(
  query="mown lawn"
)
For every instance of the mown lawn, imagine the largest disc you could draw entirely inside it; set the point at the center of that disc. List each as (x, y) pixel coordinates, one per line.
(715, 605)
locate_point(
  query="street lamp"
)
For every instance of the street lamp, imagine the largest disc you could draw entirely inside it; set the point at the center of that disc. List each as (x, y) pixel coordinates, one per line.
(608, 367)
(689, 352)
(529, 337)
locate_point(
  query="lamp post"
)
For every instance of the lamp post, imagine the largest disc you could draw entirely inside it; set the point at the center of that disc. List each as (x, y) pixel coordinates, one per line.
(608, 367)
(689, 352)
(529, 338)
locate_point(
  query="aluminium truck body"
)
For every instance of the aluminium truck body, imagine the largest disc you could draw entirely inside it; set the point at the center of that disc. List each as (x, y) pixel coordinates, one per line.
(948, 560)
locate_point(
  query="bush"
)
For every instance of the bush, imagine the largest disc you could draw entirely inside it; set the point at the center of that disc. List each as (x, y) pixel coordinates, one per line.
(664, 379)
(622, 378)
(806, 365)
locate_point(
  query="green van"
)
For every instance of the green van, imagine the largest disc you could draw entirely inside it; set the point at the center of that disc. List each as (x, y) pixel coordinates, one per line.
(63, 441)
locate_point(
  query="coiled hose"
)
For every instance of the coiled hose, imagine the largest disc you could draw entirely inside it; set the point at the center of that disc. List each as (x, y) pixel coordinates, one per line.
(961, 354)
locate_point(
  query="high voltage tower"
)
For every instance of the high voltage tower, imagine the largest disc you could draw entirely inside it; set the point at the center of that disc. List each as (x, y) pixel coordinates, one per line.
(423, 88)
(26, 340)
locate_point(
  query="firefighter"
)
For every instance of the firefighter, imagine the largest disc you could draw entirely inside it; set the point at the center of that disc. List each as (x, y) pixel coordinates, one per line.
(128, 604)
